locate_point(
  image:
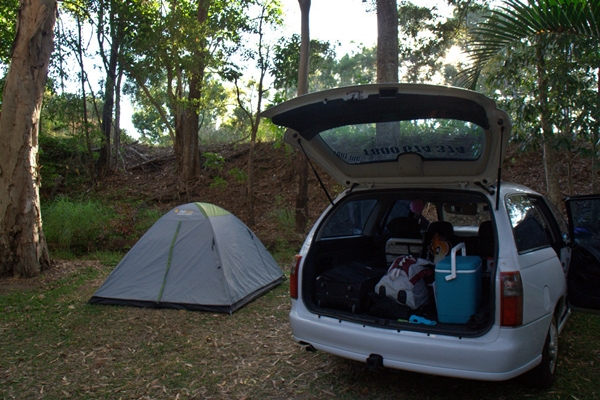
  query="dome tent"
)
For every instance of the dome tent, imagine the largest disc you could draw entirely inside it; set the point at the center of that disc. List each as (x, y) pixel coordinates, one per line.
(198, 256)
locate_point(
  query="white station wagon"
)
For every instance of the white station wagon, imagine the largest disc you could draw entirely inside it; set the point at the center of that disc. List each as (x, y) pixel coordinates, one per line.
(428, 262)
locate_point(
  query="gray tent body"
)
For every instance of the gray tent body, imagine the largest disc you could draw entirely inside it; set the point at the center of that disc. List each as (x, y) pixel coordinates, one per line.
(197, 256)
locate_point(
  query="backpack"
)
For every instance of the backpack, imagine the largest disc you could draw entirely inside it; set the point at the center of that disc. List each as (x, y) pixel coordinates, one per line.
(405, 281)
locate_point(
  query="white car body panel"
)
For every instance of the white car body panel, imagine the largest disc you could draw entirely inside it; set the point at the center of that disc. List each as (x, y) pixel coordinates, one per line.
(487, 352)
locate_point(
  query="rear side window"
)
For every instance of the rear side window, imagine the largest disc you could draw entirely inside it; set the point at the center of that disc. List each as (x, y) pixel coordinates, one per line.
(530, 229)
(349, 219)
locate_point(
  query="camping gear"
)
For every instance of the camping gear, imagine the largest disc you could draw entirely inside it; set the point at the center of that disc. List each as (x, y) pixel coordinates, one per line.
(198, 256)
(347, 287)
(457, 286)
(405, 281)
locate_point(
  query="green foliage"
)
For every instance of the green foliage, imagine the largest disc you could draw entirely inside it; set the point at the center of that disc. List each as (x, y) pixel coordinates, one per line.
(287, 59)
(8, 22)
(213, 161)
(74, 225)
(358, 68)
(62, 160)
(145, 218)
(108, 258)
(425, 38)
(218, 183)
(239, 175)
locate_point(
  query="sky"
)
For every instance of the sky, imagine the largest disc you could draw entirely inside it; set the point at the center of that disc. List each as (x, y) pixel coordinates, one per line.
(346, 21)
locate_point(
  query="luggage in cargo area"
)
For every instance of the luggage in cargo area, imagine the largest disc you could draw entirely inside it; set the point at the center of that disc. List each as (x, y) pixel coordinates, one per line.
(347, 287)
(457, 287)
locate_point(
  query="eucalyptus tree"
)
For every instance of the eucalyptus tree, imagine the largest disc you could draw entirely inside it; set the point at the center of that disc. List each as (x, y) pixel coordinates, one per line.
(302, 159)
(426, 37)
(70, 42)
(286, 61)
(387, 41)
(23, 249)
(267, 18)
(535, 24)
(176, 45)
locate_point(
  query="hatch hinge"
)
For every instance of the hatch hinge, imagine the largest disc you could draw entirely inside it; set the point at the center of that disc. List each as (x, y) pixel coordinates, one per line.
(490, 189)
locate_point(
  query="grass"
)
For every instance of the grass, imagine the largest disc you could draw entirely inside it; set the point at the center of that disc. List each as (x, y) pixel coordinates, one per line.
(55, 345)
(73, 224)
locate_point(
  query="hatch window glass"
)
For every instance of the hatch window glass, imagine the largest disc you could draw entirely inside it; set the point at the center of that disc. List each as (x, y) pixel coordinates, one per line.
(349, 219)
(432, 139)
(529, 226)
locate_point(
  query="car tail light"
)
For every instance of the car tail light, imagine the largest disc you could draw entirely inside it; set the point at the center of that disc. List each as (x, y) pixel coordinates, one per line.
(511, 307)
(294, 277)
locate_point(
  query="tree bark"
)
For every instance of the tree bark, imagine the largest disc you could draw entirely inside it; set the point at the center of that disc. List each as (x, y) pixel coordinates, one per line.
(117, 138)
(23, 250)
(190, 149)
(301, 160)
(550, 153)
(86, 124)
(107, 110)
(387, 63)
(387, 41)
(255, 120)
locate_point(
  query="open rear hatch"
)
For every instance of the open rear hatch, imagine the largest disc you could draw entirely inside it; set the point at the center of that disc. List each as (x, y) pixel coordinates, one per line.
(398, 134)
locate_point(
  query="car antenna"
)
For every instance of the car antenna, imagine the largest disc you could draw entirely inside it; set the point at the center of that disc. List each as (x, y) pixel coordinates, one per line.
(315, 171)
(500, 122)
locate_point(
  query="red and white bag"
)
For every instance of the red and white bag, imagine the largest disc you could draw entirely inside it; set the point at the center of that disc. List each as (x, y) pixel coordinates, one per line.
(405, 281)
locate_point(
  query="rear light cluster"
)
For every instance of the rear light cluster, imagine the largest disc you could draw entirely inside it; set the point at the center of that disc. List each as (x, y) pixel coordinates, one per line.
(511, 302)
(294, 277)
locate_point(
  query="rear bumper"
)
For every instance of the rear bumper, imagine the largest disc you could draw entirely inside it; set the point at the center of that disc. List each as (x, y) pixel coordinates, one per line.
(498, 355)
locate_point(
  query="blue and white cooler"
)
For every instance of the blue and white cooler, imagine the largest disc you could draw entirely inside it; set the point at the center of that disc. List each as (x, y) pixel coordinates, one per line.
(457, 286)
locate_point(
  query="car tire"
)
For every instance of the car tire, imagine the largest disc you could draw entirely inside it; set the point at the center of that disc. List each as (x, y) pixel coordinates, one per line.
(544, 375)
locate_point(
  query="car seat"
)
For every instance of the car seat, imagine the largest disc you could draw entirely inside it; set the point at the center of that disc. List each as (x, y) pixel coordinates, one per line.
(485, 235)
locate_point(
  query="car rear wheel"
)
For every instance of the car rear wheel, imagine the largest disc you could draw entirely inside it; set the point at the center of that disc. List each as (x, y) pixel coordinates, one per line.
(544, 375)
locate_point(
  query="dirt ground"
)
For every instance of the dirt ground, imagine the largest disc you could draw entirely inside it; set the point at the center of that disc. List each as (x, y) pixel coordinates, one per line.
(250, 355)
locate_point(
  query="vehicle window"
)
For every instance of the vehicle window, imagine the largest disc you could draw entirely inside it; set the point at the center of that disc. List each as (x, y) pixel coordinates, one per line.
(349, 219)
(432, 139)
(401, 208)
(466, 214)
(409, 209)
(585, 216)
(529, 227)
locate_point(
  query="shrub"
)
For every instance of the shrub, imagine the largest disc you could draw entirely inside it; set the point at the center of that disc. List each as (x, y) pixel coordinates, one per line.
(239, 175)
(218, 183)
(213, 161)
(72, 225)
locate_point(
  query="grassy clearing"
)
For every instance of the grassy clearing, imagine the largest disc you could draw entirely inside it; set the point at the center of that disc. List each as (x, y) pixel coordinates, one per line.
(55, 345)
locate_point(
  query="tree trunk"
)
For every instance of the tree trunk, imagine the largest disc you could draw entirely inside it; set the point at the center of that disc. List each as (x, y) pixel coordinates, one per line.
(107, 110)
(23, 250)
(387, 63)
(387, 41)
(595, 134)
(86, 123)
(550, 153)
(117, 138)
(301, 160)
(255, 120)
(189, 145)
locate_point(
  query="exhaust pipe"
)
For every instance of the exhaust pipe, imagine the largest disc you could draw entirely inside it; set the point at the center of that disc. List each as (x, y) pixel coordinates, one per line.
(374, 362)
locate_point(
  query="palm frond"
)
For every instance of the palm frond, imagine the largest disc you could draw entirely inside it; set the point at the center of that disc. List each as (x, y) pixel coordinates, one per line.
(516, 21)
